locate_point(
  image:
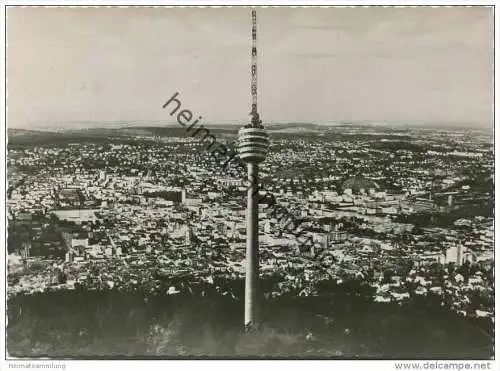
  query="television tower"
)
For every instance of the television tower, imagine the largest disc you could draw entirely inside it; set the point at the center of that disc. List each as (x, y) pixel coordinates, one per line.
(252, 148)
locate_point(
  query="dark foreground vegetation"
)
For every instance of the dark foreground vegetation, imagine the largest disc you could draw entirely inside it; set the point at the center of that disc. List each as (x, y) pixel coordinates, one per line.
(338, 323)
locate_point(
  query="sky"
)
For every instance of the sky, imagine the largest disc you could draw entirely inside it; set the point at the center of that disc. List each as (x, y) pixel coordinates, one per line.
(397, 65)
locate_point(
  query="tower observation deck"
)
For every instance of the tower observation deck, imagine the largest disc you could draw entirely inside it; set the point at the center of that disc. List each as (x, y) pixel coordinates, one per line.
(253, 144)
(252, 149)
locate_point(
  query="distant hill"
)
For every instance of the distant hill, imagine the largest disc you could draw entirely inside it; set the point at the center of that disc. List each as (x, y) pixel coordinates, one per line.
(373, 131)
(22, 137)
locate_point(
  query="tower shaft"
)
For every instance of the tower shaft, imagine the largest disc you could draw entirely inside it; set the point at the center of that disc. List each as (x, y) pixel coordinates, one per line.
(252, 252)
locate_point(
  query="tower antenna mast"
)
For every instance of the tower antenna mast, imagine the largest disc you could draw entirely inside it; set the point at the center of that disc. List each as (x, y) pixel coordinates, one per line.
(255, 121)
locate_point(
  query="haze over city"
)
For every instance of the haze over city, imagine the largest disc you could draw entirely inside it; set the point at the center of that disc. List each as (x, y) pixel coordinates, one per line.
(394, 65)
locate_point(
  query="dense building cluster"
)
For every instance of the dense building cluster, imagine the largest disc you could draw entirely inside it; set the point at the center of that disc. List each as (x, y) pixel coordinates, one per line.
(408, 213)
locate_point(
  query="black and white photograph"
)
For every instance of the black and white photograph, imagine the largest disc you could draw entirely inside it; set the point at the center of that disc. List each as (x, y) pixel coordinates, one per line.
(249, 183)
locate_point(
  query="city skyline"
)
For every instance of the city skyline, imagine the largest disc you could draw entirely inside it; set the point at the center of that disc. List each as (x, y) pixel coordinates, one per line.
(122, 71)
